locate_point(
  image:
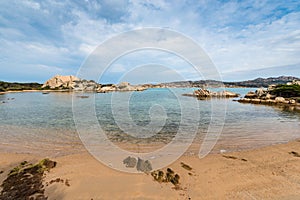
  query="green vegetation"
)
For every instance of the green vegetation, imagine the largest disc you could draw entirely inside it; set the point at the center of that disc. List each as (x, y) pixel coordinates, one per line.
(5, 86)
(286, 91)
(43, 165)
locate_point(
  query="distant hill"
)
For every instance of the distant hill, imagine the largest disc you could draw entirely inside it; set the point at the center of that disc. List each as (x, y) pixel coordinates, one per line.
(263, 82)
(6, 86)
(285, 70)
(259, 82)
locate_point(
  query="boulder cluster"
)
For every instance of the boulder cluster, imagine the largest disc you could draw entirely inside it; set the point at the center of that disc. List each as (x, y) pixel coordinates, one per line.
(203, 93)
(275, 94)
(74, 83)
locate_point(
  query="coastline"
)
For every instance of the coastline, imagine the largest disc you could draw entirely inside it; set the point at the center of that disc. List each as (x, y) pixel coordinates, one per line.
(270, 172)
(20, 91)
(284, 106)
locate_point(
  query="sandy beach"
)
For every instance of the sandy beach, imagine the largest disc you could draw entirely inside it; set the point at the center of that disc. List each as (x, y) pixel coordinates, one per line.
(271, 172)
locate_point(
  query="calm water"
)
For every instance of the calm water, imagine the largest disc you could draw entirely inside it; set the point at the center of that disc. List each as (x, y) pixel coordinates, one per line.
(43, 123)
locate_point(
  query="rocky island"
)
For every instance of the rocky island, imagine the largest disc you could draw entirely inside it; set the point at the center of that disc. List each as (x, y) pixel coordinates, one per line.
(286, 95)
(203, 93)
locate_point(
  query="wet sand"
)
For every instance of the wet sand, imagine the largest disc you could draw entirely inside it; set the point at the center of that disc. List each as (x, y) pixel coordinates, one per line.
(271, 172)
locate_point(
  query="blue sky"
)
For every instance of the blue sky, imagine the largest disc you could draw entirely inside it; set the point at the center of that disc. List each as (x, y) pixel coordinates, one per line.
(39, 39)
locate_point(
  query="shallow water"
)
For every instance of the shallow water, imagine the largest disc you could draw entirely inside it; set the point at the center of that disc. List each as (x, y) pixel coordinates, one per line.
(33, 122)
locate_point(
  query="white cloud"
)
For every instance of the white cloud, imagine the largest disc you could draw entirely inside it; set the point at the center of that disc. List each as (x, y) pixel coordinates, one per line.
(31, 4)
(251, 34)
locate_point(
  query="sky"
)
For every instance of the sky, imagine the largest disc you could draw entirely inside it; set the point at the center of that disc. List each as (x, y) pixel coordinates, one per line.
(244, 39)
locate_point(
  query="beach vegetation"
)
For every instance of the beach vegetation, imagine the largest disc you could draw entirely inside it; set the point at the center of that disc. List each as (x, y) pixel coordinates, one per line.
(286, 91)
(5, 86)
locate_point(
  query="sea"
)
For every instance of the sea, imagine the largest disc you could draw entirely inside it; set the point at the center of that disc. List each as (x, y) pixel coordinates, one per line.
(53, 123)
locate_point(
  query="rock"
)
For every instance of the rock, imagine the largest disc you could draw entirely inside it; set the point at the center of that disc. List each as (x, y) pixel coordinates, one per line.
(140, 88)
(271, 87)
(244, 100)
(262, 101)
(143, 166)
(292, 101)
(85, 85)
(256, 101)
(106, 89)
(227, 94)
(185, 166)
(72, 83)
(260, 92)
(167, 177)
(269, 96)
(158, 176)
(280, 100)
(206, 93)
(202, 93)
(295, 82)
(67, 183)
(123, 85)
(270, 101)
(251, 95)
(130, 162)
(60, 81)
(49, 164)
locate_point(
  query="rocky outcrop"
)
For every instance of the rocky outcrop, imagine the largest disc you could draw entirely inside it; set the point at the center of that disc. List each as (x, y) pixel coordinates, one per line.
(125, 86)
(107, 88)
(294, 82)
(61, 82)
(74, 83)
(203, 93)
(122, 87)
(71, 83)
(272, 96)
(260, 93)
(84, 85)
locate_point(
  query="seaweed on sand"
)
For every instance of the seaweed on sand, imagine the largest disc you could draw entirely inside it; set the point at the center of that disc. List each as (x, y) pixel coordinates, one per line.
(25, 181)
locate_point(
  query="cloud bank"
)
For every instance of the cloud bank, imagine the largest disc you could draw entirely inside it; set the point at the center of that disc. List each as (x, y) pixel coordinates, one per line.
(39, 39)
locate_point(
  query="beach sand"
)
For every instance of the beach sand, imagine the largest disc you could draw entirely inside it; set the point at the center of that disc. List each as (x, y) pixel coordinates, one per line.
(271, 172)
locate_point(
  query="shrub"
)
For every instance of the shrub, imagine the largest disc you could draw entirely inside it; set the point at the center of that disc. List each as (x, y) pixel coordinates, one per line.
(286, 91)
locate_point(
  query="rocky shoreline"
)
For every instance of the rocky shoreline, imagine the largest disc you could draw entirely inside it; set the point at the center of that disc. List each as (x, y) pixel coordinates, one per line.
(285, 105)
(71, 83)
(285, 95)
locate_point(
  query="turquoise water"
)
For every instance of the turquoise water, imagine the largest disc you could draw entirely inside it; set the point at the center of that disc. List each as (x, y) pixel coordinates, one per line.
(43, 123)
